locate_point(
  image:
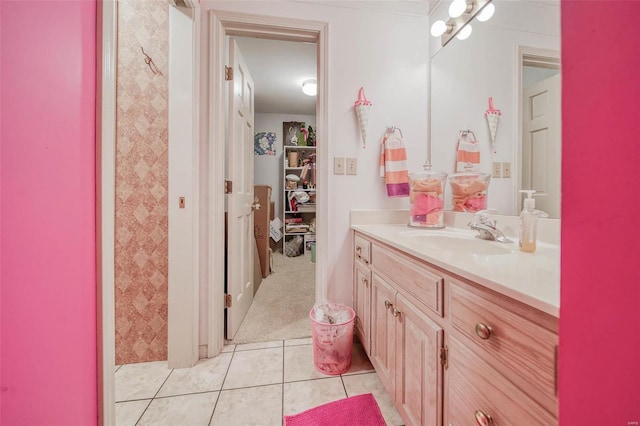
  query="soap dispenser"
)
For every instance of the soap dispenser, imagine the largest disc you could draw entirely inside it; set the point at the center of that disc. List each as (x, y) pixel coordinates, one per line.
(528, 222)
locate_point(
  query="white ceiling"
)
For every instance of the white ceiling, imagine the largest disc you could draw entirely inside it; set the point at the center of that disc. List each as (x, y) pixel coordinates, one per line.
(278, 69)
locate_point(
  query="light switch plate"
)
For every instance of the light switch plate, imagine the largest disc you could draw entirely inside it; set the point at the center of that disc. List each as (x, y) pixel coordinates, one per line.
(338, 165)
(352, 166)
(506, 169)
(496, 170)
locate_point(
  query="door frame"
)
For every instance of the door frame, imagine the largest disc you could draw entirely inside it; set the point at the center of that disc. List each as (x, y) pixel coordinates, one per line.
(222, 24)
(183, 351)
(106, 54)
(543, 58)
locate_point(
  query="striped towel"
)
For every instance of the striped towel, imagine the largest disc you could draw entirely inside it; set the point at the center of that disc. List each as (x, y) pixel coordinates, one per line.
(393, 165)
(467, 153)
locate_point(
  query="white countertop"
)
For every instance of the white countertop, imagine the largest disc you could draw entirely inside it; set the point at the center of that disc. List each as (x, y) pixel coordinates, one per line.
(531, 278)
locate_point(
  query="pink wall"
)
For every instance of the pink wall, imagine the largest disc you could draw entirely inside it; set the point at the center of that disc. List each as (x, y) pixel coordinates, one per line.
(48, 322)
(600, 312)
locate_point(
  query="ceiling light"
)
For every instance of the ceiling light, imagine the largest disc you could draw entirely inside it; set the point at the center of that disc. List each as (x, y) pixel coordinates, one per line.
(438, 28)
(486, 13)
(465, 32)
(310, 87)
(457, 8)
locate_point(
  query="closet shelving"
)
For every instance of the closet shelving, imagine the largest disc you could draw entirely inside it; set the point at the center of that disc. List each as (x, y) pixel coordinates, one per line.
(299, 196)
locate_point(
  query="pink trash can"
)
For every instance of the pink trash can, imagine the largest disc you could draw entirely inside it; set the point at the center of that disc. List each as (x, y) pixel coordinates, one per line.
(332, 337)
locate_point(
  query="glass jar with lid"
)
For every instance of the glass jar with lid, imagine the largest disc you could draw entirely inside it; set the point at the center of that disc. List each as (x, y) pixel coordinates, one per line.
(469, 191)
(426, 198)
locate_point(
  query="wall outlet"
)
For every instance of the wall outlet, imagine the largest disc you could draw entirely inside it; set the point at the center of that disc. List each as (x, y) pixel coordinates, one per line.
(496, 170)
(506, 169)
(352, 166)
(338, 165)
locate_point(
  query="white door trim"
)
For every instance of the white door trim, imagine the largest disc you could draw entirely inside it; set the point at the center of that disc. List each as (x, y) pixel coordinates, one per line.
(545, 58)
(184, 160)
(105, 208)
(106, 55)
(236, 24)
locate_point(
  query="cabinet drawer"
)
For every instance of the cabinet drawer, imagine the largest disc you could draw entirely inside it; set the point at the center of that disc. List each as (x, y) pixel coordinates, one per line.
(362, 249)
(476, 387)
(519, 348)
(420, 281)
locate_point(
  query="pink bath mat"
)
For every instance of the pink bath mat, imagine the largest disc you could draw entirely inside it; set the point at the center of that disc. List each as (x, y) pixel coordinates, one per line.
(359, 410)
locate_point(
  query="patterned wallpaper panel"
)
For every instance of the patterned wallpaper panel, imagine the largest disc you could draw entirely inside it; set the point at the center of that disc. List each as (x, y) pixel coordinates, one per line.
(141, 251)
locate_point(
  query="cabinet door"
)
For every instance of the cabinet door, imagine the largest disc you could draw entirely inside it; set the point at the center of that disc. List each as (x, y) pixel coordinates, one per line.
(418, 369)
(383, 332)
(362, 302)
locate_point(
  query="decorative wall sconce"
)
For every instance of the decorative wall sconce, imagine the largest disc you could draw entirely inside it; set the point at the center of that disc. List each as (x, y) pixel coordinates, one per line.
(461, 13)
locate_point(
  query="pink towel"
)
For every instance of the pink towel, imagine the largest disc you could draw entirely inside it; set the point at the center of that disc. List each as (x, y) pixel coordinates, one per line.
(393, 165)
(467, 153)
(359, 410)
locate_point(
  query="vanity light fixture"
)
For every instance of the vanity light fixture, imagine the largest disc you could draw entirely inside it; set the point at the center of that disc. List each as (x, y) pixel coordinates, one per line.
(465, 32)
(310, 87)
(486, 13)
(458, 7)
(461, 13)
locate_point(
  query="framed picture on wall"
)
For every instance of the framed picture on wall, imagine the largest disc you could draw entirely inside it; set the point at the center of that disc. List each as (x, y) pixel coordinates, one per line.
(294, 133)
(264, 143)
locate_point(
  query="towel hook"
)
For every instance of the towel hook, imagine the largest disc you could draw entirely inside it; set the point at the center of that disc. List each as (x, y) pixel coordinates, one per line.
(149, 61)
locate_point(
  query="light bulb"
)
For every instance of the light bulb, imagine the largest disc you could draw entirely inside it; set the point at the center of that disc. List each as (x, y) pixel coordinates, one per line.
(487, 13)
(310, 87)
(457, 8)
(438, 28)
(464, 32)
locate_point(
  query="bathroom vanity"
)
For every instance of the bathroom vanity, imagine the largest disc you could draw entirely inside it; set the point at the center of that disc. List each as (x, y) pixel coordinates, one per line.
(461, 331)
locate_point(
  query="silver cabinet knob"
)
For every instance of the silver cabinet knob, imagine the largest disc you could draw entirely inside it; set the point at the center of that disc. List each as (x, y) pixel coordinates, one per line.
(483, 419)
(387, 304)
(483, 331)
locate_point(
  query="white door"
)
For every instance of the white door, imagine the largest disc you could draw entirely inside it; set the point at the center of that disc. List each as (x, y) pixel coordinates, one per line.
(541, 143)
(240, 242)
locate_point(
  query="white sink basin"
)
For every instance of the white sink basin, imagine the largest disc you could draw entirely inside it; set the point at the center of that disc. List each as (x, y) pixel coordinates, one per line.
(462, 244)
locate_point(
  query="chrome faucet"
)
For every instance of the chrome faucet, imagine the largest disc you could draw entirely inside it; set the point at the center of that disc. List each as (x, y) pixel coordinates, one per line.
(487, 229)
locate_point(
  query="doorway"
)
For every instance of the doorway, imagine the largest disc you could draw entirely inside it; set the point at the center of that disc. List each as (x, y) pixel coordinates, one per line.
(205, 293)
(229, 24)
(284, 283)
(538, 151)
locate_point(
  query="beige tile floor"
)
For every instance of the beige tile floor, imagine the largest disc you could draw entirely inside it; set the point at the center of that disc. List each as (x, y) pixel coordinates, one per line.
(253, 384)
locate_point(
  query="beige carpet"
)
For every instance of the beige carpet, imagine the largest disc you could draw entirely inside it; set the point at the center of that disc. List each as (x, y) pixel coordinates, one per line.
(280, 309)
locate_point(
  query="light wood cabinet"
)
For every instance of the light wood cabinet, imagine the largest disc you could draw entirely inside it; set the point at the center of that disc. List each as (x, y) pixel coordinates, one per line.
(518, 342)
(479, 394)
(362, 302)
(362, 291)
(383, 332)
(418, 380)
(449, 351)
(404, 342)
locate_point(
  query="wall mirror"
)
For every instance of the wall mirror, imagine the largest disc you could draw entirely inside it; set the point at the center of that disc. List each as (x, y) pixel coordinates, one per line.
(513, 58)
